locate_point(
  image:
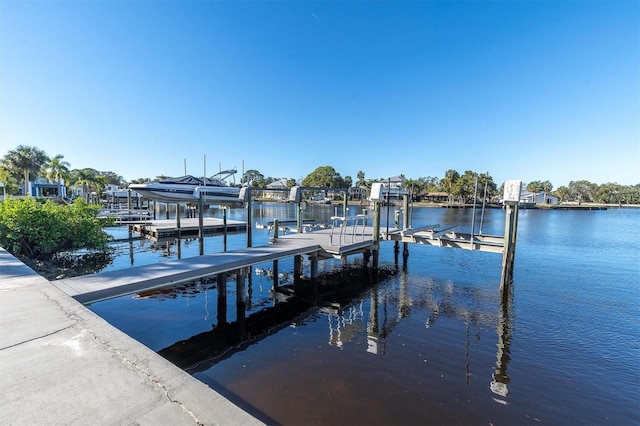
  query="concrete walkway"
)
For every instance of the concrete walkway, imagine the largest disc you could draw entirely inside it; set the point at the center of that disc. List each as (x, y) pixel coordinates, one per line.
(62, 364)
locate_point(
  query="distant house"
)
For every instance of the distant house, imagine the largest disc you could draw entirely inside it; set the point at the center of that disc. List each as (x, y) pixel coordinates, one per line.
(41, 187)
(393, 188)
(358, 192)
(277, 190)
(436, 197)
(394, 182)
(537, 198)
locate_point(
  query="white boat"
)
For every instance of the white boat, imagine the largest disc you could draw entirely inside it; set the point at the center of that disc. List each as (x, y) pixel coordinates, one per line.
(187, 189)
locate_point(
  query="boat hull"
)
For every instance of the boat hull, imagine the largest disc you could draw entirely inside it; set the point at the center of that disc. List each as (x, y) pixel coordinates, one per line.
(180, 194)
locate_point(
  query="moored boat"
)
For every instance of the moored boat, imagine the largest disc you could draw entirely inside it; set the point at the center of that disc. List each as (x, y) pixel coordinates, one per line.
(188, 189)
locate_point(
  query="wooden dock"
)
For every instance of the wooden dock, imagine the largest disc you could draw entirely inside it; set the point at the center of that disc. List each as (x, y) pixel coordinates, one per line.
(447, 237)
(165, 228)
(336, 242)
(320, 244)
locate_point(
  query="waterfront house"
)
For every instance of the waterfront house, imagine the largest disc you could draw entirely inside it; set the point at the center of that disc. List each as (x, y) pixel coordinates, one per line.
(276, 190)
(537, 198)
(436, 197)
(41, 187)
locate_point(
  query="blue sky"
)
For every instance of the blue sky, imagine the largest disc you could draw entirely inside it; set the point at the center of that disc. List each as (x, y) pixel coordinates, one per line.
(539, 90)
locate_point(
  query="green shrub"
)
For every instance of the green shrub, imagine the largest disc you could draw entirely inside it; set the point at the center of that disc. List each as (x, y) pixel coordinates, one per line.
(40, 230)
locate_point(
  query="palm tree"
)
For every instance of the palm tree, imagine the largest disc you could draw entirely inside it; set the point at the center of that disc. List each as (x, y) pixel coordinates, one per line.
(26, 160)
(57, 169)
(88, 179)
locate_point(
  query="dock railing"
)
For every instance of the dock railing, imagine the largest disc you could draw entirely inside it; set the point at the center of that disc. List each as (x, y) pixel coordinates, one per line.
(347, 229)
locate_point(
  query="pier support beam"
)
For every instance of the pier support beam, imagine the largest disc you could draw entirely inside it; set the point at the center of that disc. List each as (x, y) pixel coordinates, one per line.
(345, 204)
(178, 219)
(247, 200)
(297, 268)
(313, 259)
(241, 299)
(200, 224)
(276, 279)
(405, 212)
(511, 199)
(221, 284)
(224, 228)
(508, 255)
(376, 234)
(297, 273)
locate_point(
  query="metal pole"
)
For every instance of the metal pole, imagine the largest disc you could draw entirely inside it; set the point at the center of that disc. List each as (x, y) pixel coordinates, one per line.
(473, 219)
(345, 203)
(388, 202)
(178, 219)
(200, 224)
(249, 217)
(224, 228)
(376, 234)
(484, 201)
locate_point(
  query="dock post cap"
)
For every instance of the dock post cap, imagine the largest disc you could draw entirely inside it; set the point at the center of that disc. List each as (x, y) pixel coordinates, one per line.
(376, 192)
(295, 194)
(244, 194)
(512, 191)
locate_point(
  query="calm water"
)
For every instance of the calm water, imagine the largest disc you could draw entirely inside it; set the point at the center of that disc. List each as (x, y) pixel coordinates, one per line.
(435, 342)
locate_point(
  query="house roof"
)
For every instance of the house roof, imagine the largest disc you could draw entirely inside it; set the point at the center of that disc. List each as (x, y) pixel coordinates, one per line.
(393, 179)
(281, 183)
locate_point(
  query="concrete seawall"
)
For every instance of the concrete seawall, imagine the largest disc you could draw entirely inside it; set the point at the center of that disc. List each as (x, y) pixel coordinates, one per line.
(60, 363)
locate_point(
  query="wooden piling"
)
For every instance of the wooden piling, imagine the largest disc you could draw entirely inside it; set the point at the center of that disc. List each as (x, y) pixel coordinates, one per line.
(249, 217)
(241, 299)
(345, 204)
(201, 224)
(276, 227)
(221, 284)
(297, 268)
(376, 234)
(276, 279)
(313, 259)
(178, 219)
(511, 200)
(224, 228)
(508, 255)
(299, 216)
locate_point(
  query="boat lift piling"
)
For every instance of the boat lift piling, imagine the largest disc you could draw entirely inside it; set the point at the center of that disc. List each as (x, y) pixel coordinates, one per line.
(369, 246)
(511, 200)
(201, 224)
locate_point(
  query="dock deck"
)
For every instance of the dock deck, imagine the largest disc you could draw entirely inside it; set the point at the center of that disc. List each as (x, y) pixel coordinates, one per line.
(324, 243)
(164, 228)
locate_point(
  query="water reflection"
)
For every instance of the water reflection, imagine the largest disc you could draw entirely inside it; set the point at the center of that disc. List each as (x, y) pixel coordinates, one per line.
(500, 382)
(81, 262)
(333, 294)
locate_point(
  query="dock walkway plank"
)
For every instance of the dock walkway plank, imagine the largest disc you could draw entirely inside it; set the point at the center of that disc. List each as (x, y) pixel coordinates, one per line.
(92, 288)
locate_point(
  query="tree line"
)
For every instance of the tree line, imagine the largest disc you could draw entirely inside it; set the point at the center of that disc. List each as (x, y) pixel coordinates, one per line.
(24, 162)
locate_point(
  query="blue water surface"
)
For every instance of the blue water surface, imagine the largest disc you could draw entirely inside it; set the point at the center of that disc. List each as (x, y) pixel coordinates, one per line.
(435, 343)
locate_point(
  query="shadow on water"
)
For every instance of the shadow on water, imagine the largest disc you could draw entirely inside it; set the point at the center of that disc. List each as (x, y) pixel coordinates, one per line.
(434, 342)
(82, 262)
(333, 291)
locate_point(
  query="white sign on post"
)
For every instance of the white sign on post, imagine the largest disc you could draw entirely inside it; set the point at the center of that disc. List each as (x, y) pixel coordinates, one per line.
(376, 192)
(512, 191)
